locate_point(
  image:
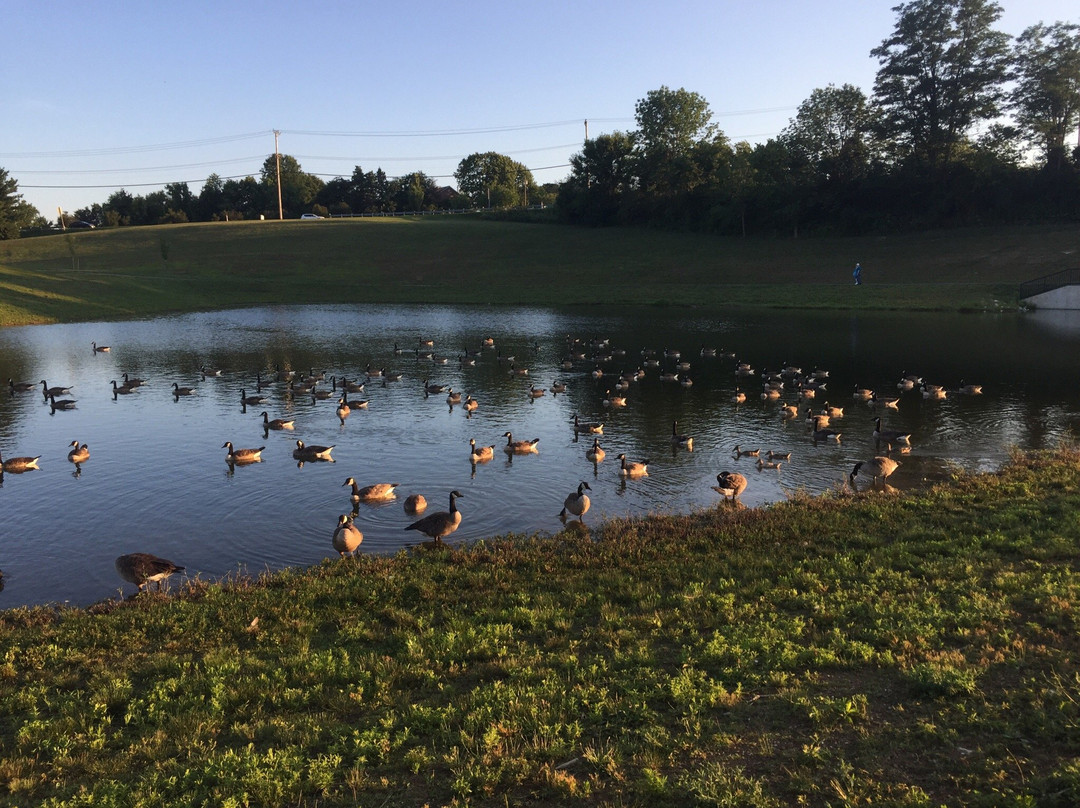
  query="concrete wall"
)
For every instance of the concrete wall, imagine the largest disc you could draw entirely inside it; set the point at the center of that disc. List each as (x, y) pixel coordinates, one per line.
(1064, 297)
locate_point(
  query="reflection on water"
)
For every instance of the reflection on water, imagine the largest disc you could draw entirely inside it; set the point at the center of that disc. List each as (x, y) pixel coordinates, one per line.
(157, 480)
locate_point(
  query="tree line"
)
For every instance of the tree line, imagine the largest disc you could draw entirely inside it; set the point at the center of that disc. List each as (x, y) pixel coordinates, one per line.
(964, 126)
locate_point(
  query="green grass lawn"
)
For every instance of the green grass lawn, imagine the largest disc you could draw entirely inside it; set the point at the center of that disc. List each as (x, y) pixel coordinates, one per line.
(913, 649)
(130, 272)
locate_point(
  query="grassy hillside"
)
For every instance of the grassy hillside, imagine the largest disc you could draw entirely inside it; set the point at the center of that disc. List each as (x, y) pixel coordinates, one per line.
(906, 650)
(112, 274)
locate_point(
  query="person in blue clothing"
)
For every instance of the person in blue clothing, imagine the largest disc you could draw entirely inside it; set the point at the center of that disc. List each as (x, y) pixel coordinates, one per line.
(857, 274)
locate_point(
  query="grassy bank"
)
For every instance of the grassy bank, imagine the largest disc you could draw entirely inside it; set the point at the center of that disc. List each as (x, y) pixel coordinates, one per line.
(880, 649)
(131, 272)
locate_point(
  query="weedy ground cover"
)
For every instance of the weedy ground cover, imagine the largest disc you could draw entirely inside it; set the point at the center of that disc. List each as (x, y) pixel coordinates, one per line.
(881, 648)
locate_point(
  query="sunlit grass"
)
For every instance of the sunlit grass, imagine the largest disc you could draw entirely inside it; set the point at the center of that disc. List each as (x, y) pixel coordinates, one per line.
(900, 649)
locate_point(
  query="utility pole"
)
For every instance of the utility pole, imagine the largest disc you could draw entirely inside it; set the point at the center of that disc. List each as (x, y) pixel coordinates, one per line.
(277, 159)
(588, 175)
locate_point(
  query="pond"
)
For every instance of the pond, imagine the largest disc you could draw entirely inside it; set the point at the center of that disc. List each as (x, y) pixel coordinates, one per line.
(157, 480)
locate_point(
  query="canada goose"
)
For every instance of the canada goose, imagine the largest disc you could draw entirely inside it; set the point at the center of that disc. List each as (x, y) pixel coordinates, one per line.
(470, 404)
(465, 360)
(391, 376)
(905, 384)
(707, 351)
(743, 369)
(862, 393)
(832, 412)
(355, 403)
(245, 399)
(488, 342)
(303, 452)
(321, 395)
(669, 376)
(100, 348)
(371, 493)
(577, 502)
(738, 451)
(302, 386)
(778, 455)
(879, 468)
(969, 389)
(142, 569)
(806, 393)
(614, 401)
(397, 351)
(516, 371)
(19, 464)
(630, 468)
(434, 389)
(591, 427)
(789, 410)
(133, 381)
(890, 435)
(343, 409)
(597, 372)
(373, 373)
(911, 377)
(816, 421)
(47, 391)
(452, 398)
(933, 392)
(730, 484)
(739, 396)
(241, 455)
(20, 387)
(351, 387)
(440, 360)
(686, 381)
(681, 439)
(889, 402)
(62, 404)
(284, 375)
(442, 523)
(480, 454)
(768, 464)
(277, 423)
(519, 446)
(122, 390)
(822, 432)
(78, 454)
(182, 391)
(347, 537)
(595, 453)
(424, 355)
(205, 371)
(426, 342)
(557, 387)
(536, 392)
(415, 503)
(770, 394)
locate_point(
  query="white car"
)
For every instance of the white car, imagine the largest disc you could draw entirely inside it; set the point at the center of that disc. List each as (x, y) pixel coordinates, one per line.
(310, 216)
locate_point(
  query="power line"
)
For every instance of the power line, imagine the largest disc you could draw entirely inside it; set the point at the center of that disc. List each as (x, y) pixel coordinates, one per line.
(187, 144)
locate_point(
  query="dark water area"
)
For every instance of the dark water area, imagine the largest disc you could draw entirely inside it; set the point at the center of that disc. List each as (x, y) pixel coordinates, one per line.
(157, 480)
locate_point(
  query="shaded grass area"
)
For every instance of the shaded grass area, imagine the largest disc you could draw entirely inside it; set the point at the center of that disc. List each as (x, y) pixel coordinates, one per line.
(899, 649)
(131, 272)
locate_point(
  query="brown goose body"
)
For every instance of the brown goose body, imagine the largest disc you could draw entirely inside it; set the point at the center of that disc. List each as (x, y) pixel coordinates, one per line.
(142, 569)
(347, 536)
(441, 523)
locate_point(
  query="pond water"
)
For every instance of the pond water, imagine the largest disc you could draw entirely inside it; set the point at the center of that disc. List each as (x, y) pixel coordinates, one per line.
(157, 480)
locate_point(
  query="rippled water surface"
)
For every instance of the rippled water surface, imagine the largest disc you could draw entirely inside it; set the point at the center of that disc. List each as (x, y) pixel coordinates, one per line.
(157, 480)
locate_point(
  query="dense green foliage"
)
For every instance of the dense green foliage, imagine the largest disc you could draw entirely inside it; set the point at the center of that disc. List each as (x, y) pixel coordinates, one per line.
(880, 649)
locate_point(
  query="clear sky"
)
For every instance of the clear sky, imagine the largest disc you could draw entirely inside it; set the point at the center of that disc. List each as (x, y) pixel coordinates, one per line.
(138, 94)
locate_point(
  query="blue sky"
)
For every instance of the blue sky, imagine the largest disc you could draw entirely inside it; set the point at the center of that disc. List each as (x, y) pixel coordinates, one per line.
(130, 94)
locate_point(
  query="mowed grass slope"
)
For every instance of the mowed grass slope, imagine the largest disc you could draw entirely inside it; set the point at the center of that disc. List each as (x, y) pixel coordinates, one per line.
(126, 272)
(905, 650)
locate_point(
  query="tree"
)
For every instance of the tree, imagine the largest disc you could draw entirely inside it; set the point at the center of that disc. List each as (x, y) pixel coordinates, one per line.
(414, 192)
(942, 71)
(830, 133)
(298, 189)
(211, 203)
(492, 179)
(181, 200)
(1046, 99)
(601, 176)
(671, 123)
(15, 213)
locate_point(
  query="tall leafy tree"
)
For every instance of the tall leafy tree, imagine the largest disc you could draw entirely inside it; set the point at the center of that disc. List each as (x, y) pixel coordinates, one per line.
(1046, 100)
(602, 175)
(942, 71)
(298, 188)
(671, 124)
(15, 212)
(493, 179)
(830, 133)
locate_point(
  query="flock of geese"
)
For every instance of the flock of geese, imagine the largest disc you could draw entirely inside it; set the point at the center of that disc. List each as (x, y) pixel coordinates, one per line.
(143, 569)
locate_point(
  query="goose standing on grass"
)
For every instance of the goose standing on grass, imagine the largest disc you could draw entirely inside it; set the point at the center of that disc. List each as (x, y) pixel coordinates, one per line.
(347, 537)
(440, 524)
(890, 435)
(878, 468)
(100, 348)
(730, 484)
(480, 454)
(377, 492)
(78, 454)
(18, 465)
(303, 452)
(276, 423)
(576, 503)
(519, 446)
(241, 455)
(681, 439)
(142, 569)
(595, 453)
(182, 391)
(629, 468)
